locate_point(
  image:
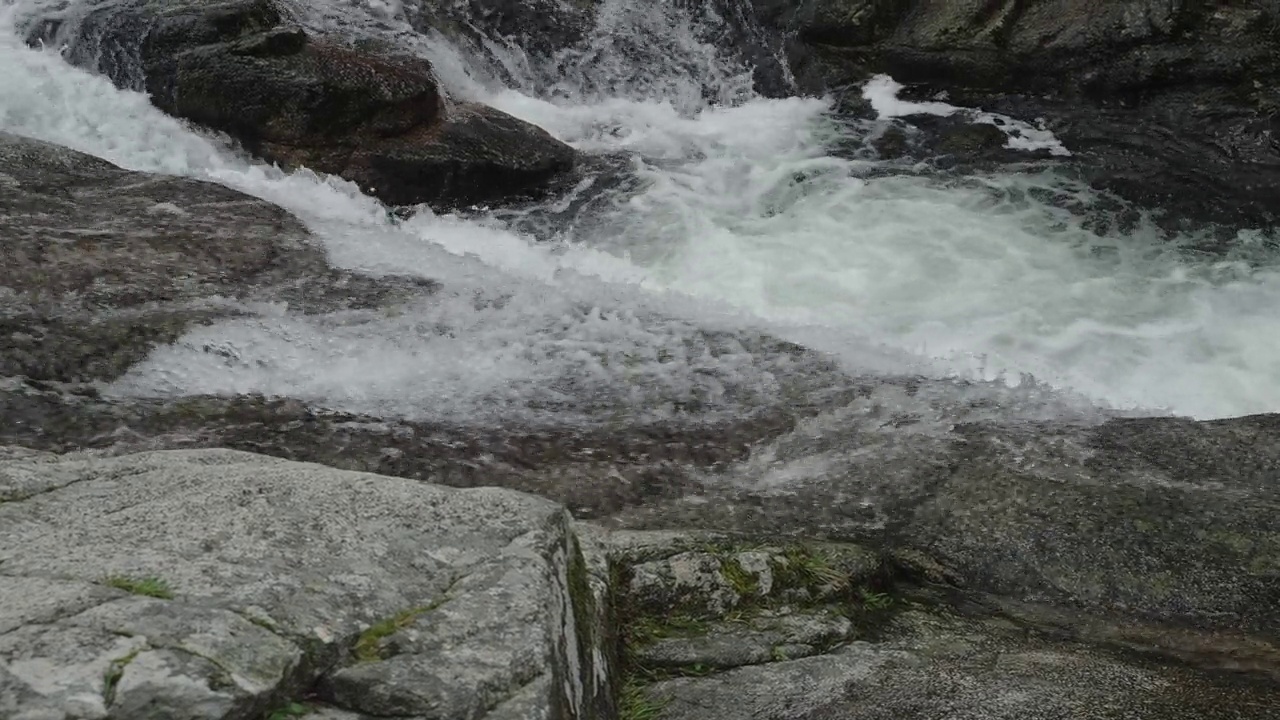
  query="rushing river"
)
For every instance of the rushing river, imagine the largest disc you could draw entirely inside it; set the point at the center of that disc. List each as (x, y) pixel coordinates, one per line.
(737, 215)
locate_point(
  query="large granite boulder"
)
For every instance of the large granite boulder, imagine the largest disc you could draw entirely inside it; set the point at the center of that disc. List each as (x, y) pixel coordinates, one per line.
(1169, 104)
(219, 584)
(242, 67)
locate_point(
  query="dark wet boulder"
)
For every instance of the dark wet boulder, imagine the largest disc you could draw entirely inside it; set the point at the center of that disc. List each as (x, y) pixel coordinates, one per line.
(540, 27)
(101, 264)
(380, 120)
(1171, 105)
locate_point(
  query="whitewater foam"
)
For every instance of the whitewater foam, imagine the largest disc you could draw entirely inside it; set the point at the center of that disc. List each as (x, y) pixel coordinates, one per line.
(740, 218)
(882, 91)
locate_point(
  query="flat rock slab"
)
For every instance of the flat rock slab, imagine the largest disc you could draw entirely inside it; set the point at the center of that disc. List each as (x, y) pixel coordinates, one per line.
(220, 584)
(934, 666)
(1166, 519)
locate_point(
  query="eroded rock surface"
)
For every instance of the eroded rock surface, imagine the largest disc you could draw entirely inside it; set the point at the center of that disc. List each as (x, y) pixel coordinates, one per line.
(219, 584)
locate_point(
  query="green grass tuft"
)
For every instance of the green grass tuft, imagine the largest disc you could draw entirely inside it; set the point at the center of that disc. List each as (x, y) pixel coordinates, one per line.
(744, 583)
(111, 678)
(875, 601)
(636, 704)
(810, 569)
(148, 586)
(292, 710)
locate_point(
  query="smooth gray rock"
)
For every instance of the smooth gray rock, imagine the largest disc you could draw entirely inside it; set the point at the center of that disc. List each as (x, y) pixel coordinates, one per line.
(400, 599)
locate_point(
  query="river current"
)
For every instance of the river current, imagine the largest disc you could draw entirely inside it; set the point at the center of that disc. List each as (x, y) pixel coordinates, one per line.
(737, 214)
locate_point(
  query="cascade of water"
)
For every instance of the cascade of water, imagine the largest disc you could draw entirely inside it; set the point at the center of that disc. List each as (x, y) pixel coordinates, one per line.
(736, 216)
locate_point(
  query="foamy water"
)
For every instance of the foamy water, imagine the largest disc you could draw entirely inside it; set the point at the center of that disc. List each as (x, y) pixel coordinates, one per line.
(743, 220)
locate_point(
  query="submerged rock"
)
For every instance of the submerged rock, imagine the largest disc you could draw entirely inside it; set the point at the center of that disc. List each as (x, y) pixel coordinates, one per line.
(1170, 105)
(242, 68)
(297, 585)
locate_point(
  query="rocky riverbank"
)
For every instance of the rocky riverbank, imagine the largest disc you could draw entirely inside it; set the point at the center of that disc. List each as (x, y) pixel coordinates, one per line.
(306, 591)
(784, 540)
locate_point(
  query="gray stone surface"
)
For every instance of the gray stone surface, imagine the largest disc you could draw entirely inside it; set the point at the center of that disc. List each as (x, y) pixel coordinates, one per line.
(100, 264)
(756, 640)
(386, 596)
(936, 665)
(1158, 518)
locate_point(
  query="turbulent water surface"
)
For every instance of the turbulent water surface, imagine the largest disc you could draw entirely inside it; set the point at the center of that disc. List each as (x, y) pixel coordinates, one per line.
(737, 216)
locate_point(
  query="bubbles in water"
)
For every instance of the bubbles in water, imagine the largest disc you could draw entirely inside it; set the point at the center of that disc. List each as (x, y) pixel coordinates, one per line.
(735, 216)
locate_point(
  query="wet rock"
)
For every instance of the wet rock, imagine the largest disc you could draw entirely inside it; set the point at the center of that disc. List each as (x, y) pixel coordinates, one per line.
(366, 592)
(102, 264)
(477, 155)
(1166, 104)
(971, 139)
(292, 98)
(595, 471)
(541, 27)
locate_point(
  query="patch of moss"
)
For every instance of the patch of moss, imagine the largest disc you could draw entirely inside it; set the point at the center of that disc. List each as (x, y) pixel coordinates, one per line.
(150, 586)
(646, 628)
(111, 678)
(369, 646)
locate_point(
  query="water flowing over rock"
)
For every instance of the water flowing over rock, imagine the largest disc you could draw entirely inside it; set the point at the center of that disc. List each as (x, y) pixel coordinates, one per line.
(242, 68)
(1169, 104)
(481, 476)
(102, 264)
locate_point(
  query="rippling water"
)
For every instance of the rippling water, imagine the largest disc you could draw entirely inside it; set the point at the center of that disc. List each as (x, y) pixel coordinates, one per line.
(738, 216)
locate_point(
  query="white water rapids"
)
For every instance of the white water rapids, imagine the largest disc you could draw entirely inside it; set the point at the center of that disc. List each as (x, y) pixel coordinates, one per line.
(743, 220)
